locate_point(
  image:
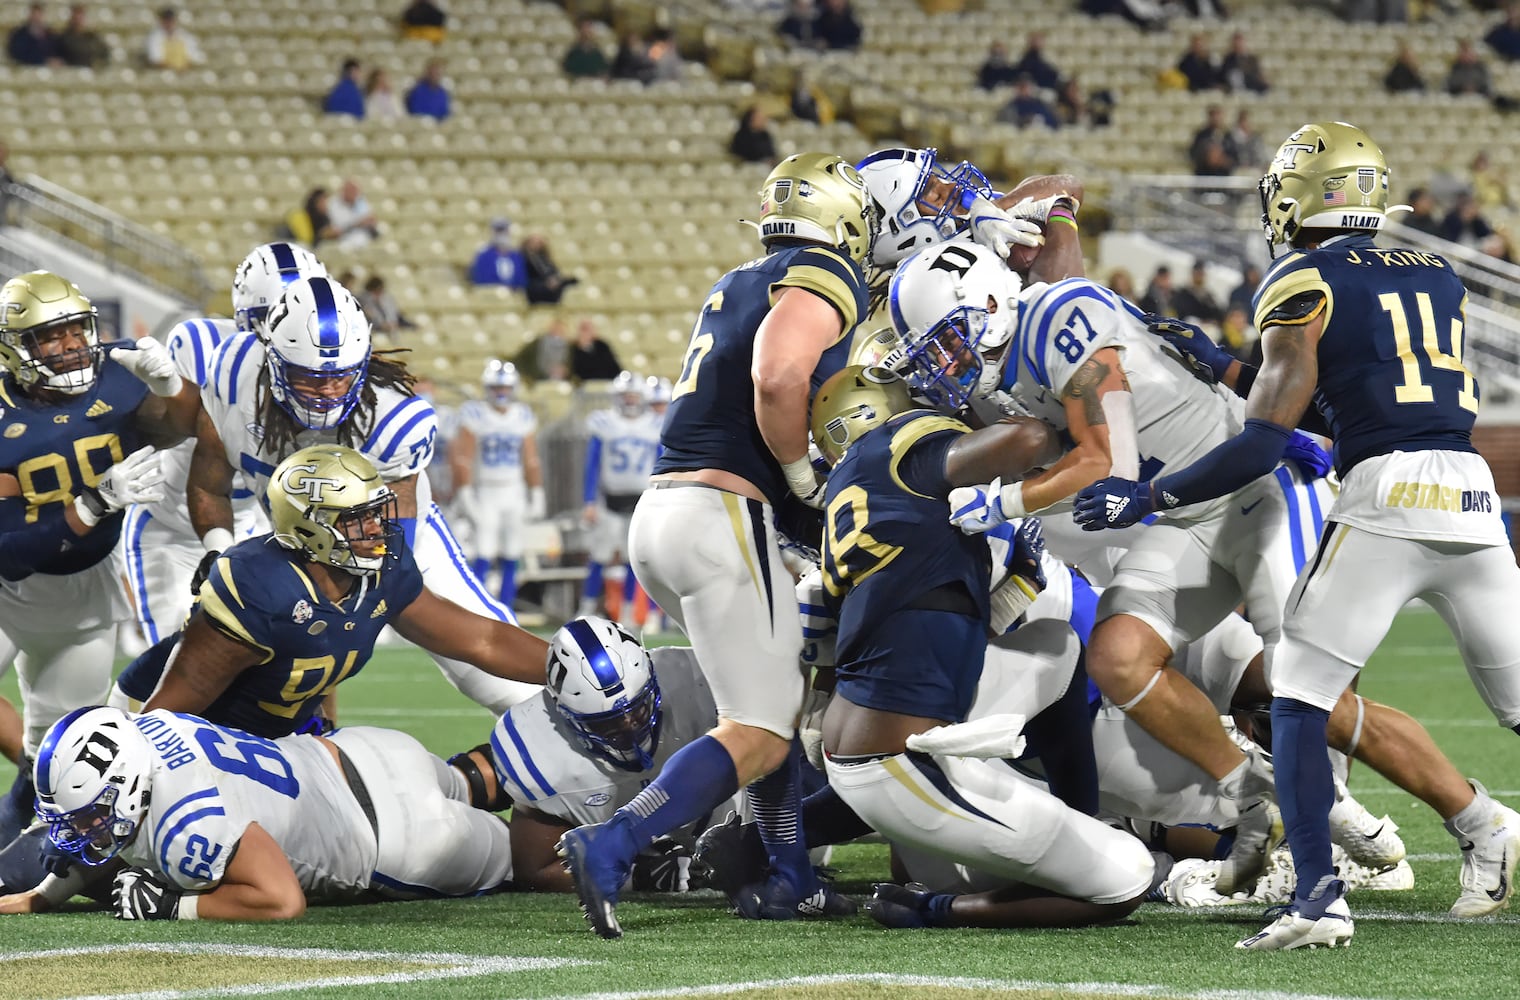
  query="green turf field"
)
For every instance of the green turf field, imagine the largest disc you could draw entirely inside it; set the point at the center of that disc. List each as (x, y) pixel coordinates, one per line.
(538, 946)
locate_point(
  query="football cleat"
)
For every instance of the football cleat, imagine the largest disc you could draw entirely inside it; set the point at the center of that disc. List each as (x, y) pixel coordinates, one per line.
(900, 906)
(595, 858)
(1394, 878)
(1323, 921)
(1257, 834)
(1488, 866)
(729, 856)
(1366, 839)
(777, 899)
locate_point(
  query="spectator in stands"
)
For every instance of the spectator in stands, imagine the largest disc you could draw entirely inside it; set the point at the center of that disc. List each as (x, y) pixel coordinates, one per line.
(547, 356)
(584, 59)
(591, 357)
(346, 97)
(1244, 292)
(1025, 107)
(632, 62)
(1236, 334)
(81, 45)
(997, 71)
(1241, 69)
(33, 43)
(1148, 15)
(352, 218)
(1197, 64)
(1159, 296)
(499, 262)
(663, 58)
(1034, 65)
(424, 19)
(752, 141)
(1497, 245)
(1249, 151)
(1404, 75)
(1072, 108)
(546, 285)
(310, 224)
(797, 25)
(809, 102)
(836, 25)
(1213, 150)
(1465, 223)
(1422, 215)
(1196, 301)
(170, 46)
(381, 103)
(1122, 283)
(1469, 73)
(381, 307)
(1489, 187)
(1504, 37)
(429, 97)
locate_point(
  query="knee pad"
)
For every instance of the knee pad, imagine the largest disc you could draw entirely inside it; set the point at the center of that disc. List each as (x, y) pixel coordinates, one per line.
(482, 793)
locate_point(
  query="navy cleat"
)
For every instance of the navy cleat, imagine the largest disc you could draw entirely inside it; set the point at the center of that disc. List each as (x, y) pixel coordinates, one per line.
(729, 856)
(595, 858)
(901, 906)
(777, 898)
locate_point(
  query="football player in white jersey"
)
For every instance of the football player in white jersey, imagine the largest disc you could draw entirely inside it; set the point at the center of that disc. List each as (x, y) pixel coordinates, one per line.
(623, 442)
(199, 821)
(160, 549)
(498, 480)
(610, 716)
(317, 380)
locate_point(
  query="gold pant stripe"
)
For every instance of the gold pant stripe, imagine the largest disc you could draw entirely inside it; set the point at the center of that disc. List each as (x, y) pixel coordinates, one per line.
(742, 536)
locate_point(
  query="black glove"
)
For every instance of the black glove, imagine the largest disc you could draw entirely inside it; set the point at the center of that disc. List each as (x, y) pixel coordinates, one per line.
(665, 866)
(202, 570)
(139, 896)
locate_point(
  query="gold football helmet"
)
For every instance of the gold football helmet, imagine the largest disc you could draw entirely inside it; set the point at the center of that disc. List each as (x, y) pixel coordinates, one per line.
(818, 197)
(854, 401)
(326, 498)
(36, 311)
(881, 349)
(1327, 175)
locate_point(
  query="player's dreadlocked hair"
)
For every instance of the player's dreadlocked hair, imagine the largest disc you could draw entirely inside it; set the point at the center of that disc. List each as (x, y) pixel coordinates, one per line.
(878, 284)
(384, 371)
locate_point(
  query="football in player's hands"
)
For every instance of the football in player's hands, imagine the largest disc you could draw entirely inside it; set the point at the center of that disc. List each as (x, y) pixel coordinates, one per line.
(1022, 258)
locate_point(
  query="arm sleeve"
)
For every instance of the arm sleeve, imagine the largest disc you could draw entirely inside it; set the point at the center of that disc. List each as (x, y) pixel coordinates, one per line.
(919, 451)
(593, 469)
(1252, 453)
(833, 278)
(24, 547)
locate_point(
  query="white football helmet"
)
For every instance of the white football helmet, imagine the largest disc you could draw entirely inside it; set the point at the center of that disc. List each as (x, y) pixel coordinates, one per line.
(500, 381)
(628, 393)
(956, 307)
(319, 348)
(261, 278)
(657, 391)
(602, 681)
(94, 771)
(897, 179)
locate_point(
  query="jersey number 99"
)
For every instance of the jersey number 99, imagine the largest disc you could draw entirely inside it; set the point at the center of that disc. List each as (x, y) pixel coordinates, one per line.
(49, 478)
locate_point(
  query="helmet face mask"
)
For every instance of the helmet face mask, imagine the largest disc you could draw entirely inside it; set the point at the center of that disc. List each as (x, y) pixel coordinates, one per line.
(94, 775)
(318, 352)
(1326, 175)
(657, 393)
(942, 364)
(329, 502)
(628, 394)
(602, 683)
(922, 203)
(262, 277)
(41, 316)
(500, 382)
(819, 198)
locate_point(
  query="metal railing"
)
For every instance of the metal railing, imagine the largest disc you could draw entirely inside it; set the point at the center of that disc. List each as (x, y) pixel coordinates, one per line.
(116, 243)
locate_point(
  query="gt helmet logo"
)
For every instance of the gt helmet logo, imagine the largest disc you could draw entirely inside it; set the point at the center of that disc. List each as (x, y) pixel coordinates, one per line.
(311, 485)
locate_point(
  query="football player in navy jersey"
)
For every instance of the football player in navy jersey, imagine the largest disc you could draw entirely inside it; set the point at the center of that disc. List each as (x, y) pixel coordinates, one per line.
(78, 424)
(1373, 338)
(703, 537)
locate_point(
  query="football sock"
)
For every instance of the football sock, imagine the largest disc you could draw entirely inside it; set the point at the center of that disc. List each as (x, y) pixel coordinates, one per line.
(777, 804)
(1305, 788)
(629, 583)
(827, 820)
(697, 778)
(480, 567)
(593, 588)
(1473, 817)
(508, 582)
(17, 805)
(1061, 736)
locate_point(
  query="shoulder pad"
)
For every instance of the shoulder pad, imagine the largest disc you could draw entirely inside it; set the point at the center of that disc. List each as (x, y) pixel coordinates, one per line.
(1296, 310)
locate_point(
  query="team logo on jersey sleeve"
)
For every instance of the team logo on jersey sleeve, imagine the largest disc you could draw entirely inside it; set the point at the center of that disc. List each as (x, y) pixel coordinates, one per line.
(599, 799)
(15, 430)
(301, 613)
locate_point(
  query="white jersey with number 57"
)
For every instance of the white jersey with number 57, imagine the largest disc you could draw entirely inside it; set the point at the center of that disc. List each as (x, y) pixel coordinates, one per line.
(1178, 419)
(210, 783)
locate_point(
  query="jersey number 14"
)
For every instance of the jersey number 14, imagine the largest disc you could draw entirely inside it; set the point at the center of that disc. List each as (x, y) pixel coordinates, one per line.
(1414, 388)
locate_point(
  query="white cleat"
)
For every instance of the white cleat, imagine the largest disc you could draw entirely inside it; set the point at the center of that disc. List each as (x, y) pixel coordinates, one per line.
(1257, 834)
(1488, 866)
(1395, 878)
(1300, 927)
(1192, 884)
(1368, 840)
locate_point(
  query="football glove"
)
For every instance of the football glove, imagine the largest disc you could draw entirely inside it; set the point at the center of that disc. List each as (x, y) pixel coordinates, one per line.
(1113, 503)
(150, 361)
(975, 509)
(819, 627)
(202, 571)
(1190, 345)
(1000, 232)
(136, 895)
(135, 479)
(664, 866)
(537, 506)
(1028, 556)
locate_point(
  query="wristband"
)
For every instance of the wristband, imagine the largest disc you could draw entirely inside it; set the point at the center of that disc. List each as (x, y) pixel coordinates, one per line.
(800, 477)
(218, 540)
(1011, 501)
(1062, 212)
(189, 907)
(90, 507)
